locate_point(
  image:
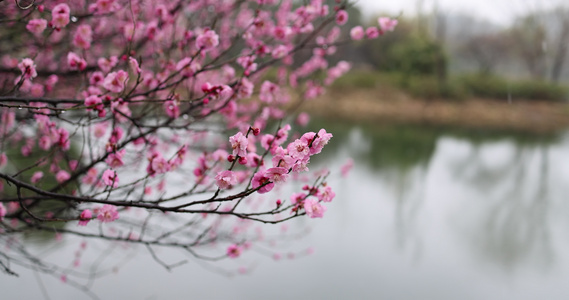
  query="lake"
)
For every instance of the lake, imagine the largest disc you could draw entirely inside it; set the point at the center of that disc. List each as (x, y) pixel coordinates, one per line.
(425, 213)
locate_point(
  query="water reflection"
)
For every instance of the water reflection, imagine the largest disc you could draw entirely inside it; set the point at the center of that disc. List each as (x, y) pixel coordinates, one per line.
(500, 179)
(427, 213)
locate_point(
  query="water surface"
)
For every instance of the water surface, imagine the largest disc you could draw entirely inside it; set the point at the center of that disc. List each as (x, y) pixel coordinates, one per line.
(426, 213)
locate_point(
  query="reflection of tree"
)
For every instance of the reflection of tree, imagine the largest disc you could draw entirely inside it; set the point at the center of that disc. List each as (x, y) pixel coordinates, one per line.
(513, 227)
(390, 146)
(511, 230)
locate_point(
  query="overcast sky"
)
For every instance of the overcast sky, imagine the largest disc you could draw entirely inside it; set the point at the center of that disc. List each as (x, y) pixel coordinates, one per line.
(498, 11)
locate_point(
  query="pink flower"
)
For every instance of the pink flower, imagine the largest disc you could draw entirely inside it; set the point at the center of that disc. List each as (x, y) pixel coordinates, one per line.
(36, 26)
(372, 32)
(326, 194)
(262, 182)
(62, 176)
(63, 140)
(93, 101)
(345, 169)
(297, 198)
(36, 177)
(225, 179)
(108, 213)
(3, 159)
(60, 15)
(73, 165)
(277, 174)
(107, 64)
(28, 68)
(341, 17)
(83, 37)
(160, 165)
(114, 160)
(85, 217)
(269, 91)
(280, 51)
(234, 251)
(357, 33)
(207, 40)
(303, 119)
(282, 32)
(3, 211)
(298, 149)
(387, 24)
(188, 67)
(239, 144)
(134, 66)
(317, 143)
(110, 178)
(245, 89)
(75, 62)
(172, 109)
(106, 6)
(115, 81)
(91, 176)
(313, 208)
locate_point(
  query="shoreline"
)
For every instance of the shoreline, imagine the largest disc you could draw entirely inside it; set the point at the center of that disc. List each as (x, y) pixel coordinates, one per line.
(372, 105)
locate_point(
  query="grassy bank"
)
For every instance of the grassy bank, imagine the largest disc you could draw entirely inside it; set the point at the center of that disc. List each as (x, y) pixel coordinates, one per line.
(456, 87)
(378, 98)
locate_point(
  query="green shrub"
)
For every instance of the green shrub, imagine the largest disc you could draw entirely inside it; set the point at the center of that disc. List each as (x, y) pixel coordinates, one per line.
(488, 86)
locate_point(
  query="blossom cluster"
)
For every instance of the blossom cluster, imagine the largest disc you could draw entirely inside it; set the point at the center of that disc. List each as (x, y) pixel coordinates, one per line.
(120, 106)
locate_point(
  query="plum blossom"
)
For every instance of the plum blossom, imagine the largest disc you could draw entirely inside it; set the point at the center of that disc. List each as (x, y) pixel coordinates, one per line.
(341, 17)
(239, 144)
(297, 198)
(3, 211)
(75, 62)
(207, 40)
(313, 208)
(3, 159)
(36, 177)
(85, 217)
(269, 92)
(36, 26)
(62, 176)
(60, 15)
(134, 65)
(298, 149)
(357, 33)
(261, 181)
(104, 6)
(277, 174)
(107, 213)
(326, 194)
(160, 165)
(346, 167)
(225, 179)
(115, 81)
(372, 32)
(303, 119)
(114, 160)
(28, 68)
(83, 37)
(245, 89)
(234, 251)
(282, 32)
(387, 24)
(107, 64)
(91, 177)
(45, 142)
(110, 178)
(172, 109)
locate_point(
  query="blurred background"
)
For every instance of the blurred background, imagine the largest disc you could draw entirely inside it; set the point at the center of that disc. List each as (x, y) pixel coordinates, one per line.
(454, 131)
